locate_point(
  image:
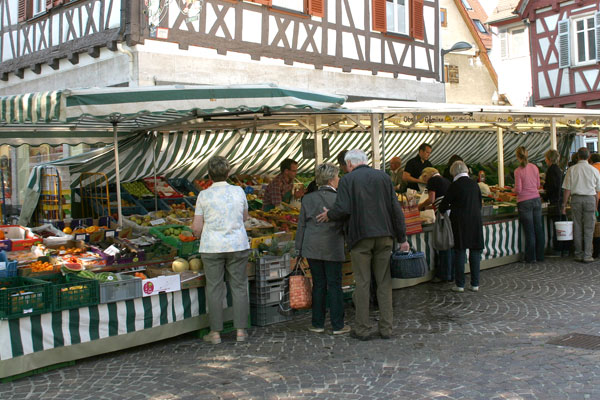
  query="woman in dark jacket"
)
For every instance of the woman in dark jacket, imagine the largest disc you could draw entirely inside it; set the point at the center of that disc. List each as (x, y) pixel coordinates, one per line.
(463, 199)
(553, 195)
(322, 244)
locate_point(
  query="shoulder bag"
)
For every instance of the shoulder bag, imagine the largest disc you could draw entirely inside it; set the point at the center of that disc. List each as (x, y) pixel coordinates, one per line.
(443, 237)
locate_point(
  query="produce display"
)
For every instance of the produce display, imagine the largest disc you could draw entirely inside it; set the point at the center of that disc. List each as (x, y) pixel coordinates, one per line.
(163, 189)
(137, 189)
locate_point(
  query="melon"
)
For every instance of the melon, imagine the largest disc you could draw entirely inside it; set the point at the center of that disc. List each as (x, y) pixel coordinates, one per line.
(180, 265)
(196, 264)
(75, 267)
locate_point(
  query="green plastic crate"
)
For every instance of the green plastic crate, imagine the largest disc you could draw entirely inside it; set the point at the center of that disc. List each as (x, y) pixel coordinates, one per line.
(184, 249)
(21, 296)
(70, 291)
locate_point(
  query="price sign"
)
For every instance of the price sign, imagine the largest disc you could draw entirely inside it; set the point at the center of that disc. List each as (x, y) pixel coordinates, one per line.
(80, 236)
(110, 234)
(159, 221)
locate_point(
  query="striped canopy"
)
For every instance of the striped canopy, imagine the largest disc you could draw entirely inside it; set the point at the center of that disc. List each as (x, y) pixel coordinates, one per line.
(89, 115)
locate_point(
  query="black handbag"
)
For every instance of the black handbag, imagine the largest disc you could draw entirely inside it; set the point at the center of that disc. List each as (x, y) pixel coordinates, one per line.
(408, 265)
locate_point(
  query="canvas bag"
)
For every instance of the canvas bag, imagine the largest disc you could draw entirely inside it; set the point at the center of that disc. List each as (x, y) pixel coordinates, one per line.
(300, 287)
(443, 237)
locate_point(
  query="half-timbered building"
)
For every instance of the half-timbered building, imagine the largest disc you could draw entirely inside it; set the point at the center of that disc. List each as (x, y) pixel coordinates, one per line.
(565, 51)
(361, 48)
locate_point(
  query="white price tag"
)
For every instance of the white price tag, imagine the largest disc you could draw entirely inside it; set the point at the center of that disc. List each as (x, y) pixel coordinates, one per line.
(2, 266)
(159, 221)
(80, 236)
(110, 234)
(111, 250)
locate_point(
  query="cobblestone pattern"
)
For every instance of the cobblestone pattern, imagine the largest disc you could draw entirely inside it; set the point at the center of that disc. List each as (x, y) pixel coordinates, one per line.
(446, 345)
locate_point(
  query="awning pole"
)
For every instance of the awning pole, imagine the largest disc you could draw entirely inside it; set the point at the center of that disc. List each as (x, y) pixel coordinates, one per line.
(553, 142)
(318, 141)
(117, 177)
(500, 157)
(382, 143)
(375, 140)
(154, 168)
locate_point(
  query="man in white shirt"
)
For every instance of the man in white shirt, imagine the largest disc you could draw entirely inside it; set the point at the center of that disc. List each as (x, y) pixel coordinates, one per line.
(582, 185)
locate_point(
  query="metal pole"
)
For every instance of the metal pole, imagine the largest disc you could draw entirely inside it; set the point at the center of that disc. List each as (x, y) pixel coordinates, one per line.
(117, 177)
(553, 141)
(500, 157)
(382, 143)
(318, 142)
(375, 140)
(154, 168)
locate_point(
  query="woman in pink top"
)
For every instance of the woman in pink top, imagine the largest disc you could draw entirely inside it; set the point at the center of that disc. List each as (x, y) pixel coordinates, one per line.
(529, 204)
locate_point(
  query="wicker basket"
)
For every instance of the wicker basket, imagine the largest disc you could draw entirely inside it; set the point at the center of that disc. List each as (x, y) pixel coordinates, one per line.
(409, 265)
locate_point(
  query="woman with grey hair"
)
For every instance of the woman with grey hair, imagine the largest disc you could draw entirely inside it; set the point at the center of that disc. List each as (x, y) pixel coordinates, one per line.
(322, 244)
(463, 199)
(219, 223)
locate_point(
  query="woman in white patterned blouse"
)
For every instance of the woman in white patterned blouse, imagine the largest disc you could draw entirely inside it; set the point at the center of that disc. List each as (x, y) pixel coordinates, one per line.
(219, 222)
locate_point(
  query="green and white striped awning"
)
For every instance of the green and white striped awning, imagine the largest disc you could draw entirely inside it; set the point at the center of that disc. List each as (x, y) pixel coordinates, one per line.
(89, 115)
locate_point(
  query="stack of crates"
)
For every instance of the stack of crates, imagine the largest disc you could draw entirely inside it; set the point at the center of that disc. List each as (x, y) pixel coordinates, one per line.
(267, 289)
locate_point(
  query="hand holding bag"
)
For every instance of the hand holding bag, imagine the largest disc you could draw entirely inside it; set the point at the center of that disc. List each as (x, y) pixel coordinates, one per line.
(443, 237)
(300, 287)
(408, 265)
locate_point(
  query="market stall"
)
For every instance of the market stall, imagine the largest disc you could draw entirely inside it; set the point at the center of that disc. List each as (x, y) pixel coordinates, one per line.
(174, 136)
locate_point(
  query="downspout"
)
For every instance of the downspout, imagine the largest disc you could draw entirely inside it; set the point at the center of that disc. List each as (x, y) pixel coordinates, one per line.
(124, 49)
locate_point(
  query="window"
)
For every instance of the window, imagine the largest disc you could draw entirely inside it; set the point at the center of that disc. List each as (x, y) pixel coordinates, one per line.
(479, 26)
(585, 40)
(466, 4)
(443, 17)
(579, 41)
(39, 6)
(294, 5)
(404, 17)
(397, 16)
(514, 43)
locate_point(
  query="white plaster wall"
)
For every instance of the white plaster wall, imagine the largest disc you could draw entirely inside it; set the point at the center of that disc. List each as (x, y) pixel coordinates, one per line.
(456, 30)
(111, 68)
(475, 84)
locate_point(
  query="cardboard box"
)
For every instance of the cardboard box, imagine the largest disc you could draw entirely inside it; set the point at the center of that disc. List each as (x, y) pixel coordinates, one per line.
(190, 279)
(18, 238)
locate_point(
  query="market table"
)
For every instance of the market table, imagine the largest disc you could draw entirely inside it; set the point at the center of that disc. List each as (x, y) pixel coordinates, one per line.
(31, 343)
(503, 244)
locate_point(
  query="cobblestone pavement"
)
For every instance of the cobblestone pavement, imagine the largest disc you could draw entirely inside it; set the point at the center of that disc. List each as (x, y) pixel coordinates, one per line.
(446, 345)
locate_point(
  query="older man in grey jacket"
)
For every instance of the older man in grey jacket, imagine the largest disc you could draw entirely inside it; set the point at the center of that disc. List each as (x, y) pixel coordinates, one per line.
(367, 201)
(323, 246)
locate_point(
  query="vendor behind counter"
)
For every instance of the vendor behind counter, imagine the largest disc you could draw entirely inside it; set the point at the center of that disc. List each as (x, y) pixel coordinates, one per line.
(281, 188)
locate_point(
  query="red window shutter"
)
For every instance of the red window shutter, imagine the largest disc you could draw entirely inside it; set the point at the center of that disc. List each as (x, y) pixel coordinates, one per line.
(417, 24)
(316, 8)
(49, 4)
(24, 10)
(379, 17)
(265, 2)
(57, 2)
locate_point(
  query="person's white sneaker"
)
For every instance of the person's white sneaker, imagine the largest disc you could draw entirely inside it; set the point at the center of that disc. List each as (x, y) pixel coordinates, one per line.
(474, 288)
(345, 329)
(458, 289)
(212, 337)
(316, 330)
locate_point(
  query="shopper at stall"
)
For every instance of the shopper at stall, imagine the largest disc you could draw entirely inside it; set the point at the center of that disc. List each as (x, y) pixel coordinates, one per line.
(553, 195)
(595, 161)
(437, 186)
(451, 161)
(322, 244)
(463, 199)
(281, 188)
(415, 166)
(529, 206)
(396, 173)
(312, 186)
(219, 223)
(581, 185)
(367, 201)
